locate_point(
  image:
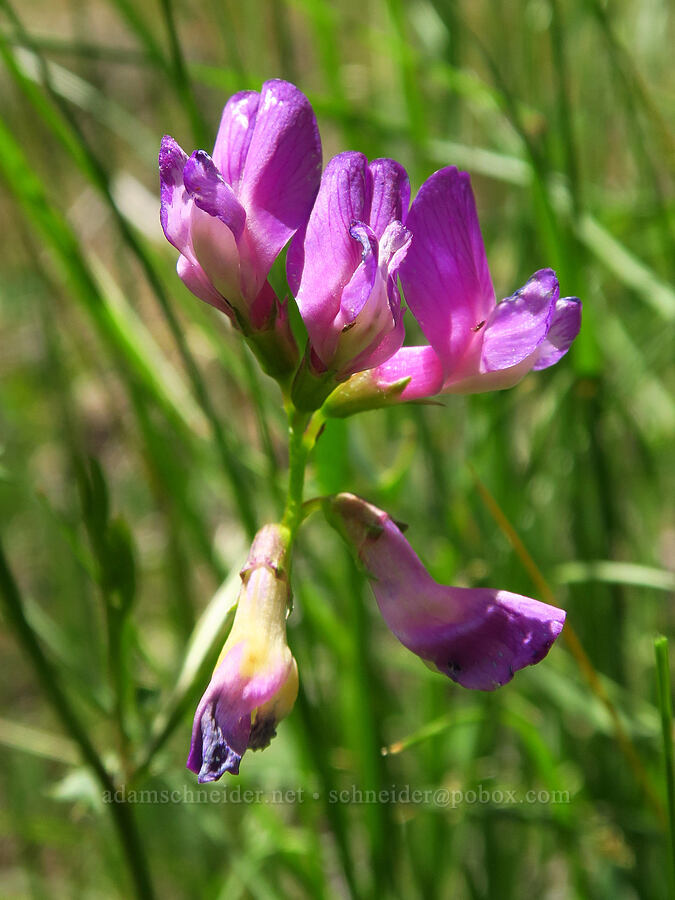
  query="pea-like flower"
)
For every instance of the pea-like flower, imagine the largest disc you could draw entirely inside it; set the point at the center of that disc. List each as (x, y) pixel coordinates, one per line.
(475, 344)
(476, 636)
(255, 682)
(231, 214)
(342, 267)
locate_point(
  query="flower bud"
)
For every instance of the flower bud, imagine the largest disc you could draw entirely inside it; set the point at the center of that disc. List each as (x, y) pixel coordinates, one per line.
(255, 682)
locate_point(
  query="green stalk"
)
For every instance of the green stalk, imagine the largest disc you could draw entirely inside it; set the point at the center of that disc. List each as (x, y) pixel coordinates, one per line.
(335, 812)
(367, 689)
(303, 431)
(415, 104)
(117, 628)
(181, 78)
(125, 823)
(666, 709)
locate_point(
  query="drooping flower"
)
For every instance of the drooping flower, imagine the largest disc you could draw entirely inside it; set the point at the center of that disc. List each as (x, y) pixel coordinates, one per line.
(475, 344)
(231, 214)
(342, 267)
(255, 682)
(476, 636)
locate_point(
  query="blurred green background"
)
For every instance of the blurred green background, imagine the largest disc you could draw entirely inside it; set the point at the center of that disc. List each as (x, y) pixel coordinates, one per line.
(140, 449)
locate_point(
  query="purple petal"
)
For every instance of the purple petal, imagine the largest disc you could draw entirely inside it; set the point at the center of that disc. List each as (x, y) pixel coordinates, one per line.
(519, 324)
(350, 305)
(385, 343)
(410, 373)
(497, 634)
(445, 275)
(211, 194)
(216, 227)
(194, 278)
(565, 326)
(322, 260)
(391, 194)
(221, 729)
(512, 340)
(370, 327)
(385, 321)
(479, 638)
(220, 745)
(394, 244)
(234, 136)
(479, 383)
(420, 364)
(262, 307)
(175, 203)
(360, 285)
(222, 722)
(282, 169)
(215, 250)
(370, 319)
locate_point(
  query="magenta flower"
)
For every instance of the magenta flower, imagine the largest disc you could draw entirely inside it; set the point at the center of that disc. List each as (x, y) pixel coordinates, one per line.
(342, 267)
(475, 344)
(230, 215)
(255, 682)
(477, 637)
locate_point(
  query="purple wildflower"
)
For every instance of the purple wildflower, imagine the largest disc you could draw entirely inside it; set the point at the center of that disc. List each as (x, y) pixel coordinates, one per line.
(475, 344)
(342, 267)
(477, 637)
(230, 215)
(255, 682)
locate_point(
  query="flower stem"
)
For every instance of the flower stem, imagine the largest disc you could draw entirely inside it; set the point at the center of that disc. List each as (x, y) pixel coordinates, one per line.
(303, 431)
(297, 461)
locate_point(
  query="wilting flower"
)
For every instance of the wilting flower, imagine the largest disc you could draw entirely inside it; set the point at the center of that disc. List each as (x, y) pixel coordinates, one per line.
(342, 267)
(255, 682)
(475, 344)
(477, 637)
(230, 215)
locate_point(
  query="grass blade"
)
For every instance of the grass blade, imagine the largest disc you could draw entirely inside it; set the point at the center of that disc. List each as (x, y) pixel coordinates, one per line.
(128, 833)
(666, 709)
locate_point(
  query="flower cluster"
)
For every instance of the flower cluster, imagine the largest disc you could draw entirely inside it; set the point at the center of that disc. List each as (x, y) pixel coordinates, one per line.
(354, 241)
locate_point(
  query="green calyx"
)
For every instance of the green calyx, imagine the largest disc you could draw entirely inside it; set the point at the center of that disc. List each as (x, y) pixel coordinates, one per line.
(360, 393)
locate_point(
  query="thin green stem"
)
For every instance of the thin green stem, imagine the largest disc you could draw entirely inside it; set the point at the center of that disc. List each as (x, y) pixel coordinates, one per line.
(125, 823)
(182, 78)
(253, 384)
(304, 429)
(118, 679)
(666, 709)
(298, 451)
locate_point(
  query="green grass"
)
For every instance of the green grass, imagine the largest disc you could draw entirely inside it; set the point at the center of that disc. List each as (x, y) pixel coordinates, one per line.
(141, 447)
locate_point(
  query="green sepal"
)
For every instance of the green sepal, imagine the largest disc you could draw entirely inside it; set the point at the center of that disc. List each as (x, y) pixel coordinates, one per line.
(361, 393)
